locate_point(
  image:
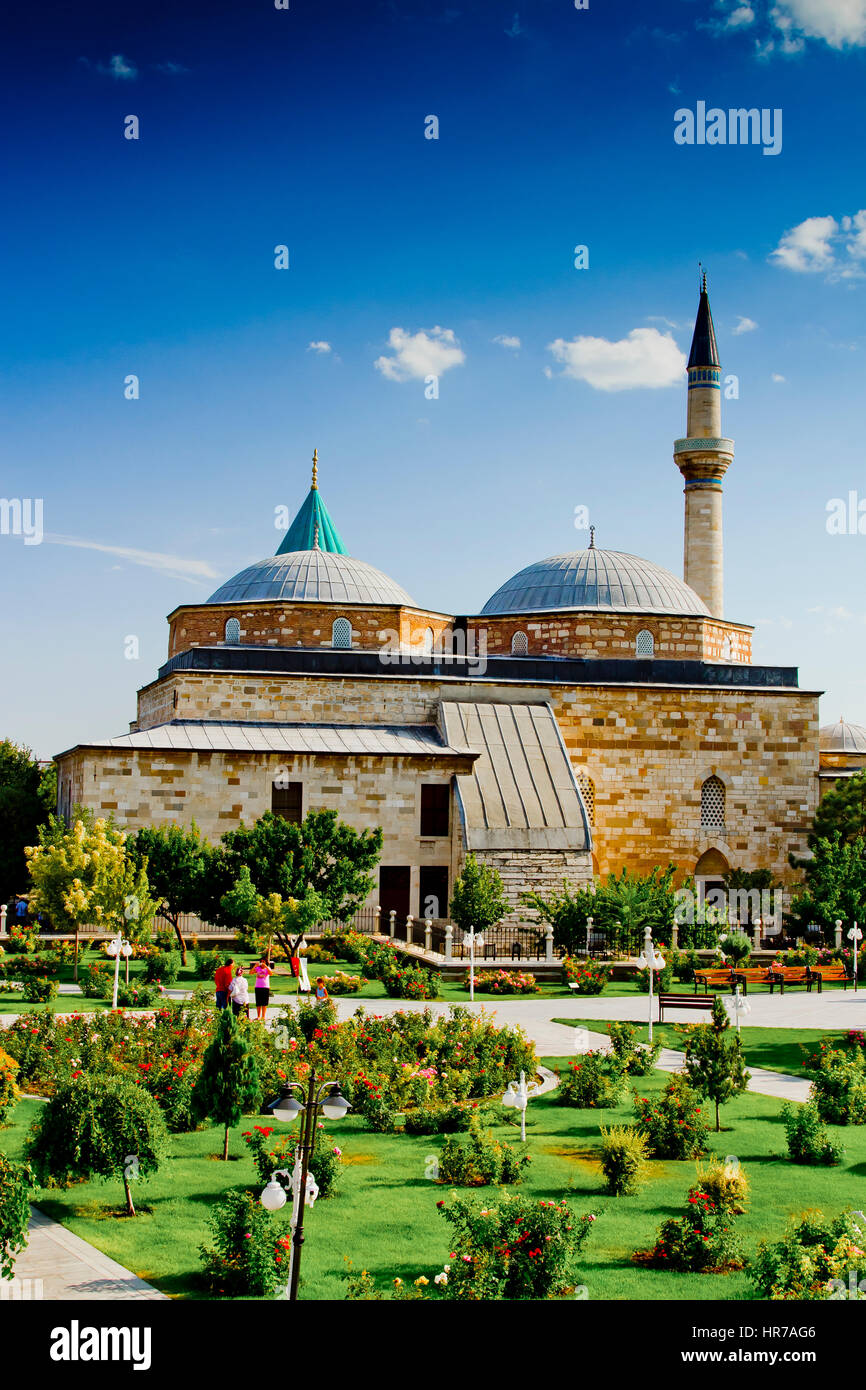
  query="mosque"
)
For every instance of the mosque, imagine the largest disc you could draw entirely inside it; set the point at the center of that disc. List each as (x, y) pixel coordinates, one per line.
(597, 713)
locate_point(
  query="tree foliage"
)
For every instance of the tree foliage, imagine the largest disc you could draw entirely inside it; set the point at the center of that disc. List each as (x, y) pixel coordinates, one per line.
(620, 906)
(228, 1083)
(834, 885)
(842, 812)
(176, 860)
(27, 797)
(479, 899)
(714, 1059)
(98, 1127)
(16, 1181)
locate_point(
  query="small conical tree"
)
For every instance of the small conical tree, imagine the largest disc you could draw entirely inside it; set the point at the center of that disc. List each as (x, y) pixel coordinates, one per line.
(228, 1083)
(714, 1059)
(479, 899)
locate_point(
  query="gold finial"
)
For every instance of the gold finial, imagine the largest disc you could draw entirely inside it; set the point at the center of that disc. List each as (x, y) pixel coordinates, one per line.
(315, 533)
(592, 538)
(315, 470)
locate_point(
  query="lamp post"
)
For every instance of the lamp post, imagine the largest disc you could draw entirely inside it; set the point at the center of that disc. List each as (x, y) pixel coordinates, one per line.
(518, 1095)
(854, 936)
(472, 939)
(317, 1097)
(650, 960)
(738, 1005)
(116, 948)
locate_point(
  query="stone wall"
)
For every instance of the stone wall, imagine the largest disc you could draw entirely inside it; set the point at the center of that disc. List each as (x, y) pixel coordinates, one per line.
(614, 635)
(300, 624)
(540, 870)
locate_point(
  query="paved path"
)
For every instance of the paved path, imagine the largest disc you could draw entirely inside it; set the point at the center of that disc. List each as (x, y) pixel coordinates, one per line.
(58, 1265)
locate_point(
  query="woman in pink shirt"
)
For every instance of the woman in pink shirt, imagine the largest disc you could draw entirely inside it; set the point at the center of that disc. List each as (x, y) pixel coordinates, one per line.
(263, 973)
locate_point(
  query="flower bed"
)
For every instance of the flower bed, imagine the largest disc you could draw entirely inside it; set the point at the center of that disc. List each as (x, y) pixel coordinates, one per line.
(588, 976)
(504, 982)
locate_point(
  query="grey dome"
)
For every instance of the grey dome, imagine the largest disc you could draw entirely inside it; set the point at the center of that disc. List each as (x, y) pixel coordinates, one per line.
(311, 576)
(842, 738)
(597, 579)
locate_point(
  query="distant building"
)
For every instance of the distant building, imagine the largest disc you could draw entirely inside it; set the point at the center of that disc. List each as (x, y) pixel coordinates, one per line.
(598, 712)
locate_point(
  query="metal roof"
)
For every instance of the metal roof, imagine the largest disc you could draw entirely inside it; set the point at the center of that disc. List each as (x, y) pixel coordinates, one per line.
(521, 793)
(311, 576)
(842, 738)
(311, 526)
(704, 351)
(605, 580)
(351, 740)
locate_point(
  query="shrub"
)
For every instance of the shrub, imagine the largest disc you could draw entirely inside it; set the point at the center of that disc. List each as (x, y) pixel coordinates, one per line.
(504, 982)
(208, 962)
(808, 1140)
(9, 1092)
(589, 976)
(443, 1119)
(95, 981)
(714, 1059)
(685, 963)
(628, 1057)
(736, 948)
(134, 996)
(662, 979)
(309, 1017)
(228, 1082)
(351, 946)
(38, 989)
(521, 1248)
(343, 983)
(623, 1159)
(280, 1153)
(672, 1122)
(21, 940)
(162, 967)
(44, 963)
(702, 1240)
(839, 1086)
(479, 1159)
(16, 1181)
(725, 1184)
(813, 1260)
(172, 1090)
(248, 1256)
(590, 1084)
(319, 954)
(411, 982)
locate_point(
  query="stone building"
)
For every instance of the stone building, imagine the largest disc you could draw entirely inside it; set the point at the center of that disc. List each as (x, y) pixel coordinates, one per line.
(842, 753)
(598, 712)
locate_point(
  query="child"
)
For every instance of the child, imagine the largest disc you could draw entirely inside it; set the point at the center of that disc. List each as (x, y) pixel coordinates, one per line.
(321, 992)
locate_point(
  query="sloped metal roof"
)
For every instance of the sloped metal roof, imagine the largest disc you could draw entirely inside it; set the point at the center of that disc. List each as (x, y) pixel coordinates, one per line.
(312, 525)
(521, 793)
(351, 740)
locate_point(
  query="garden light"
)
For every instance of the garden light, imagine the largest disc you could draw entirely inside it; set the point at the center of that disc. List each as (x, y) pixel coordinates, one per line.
(855, 935)
(286, 1108)
(274, 1195)
(650, 960)
(116, 948)
(472, 939)
(335, 1106)
(518, 1095)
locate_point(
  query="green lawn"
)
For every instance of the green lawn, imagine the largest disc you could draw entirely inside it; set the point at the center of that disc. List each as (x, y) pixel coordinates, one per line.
(774, 1049)
(384, 1216)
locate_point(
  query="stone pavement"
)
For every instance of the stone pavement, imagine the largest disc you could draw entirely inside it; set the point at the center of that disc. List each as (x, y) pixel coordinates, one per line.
(58, 1265)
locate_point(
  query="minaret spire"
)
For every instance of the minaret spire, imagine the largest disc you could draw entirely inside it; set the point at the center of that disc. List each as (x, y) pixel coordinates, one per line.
(703, 458)
(315, 486)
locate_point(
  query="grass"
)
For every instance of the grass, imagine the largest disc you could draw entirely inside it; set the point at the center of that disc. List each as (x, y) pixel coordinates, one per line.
(384, 1218)
(774, 1049)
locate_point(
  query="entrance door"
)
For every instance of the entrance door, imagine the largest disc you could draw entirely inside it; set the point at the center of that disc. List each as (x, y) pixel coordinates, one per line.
(433, 891)
(394, 883)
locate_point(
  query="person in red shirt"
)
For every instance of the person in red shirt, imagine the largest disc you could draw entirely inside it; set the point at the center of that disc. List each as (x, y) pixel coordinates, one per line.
(222, 979)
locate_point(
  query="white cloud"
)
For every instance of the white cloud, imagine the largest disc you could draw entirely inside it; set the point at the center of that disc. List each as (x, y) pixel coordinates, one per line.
(814, 246)
(645, 358)
(122, 68)
(173, 566)
(777, 376)
(840, 23)
(422, 354)
(505, 341)
(171, 69)
(740, 18)
(321, 347)
(743, 325)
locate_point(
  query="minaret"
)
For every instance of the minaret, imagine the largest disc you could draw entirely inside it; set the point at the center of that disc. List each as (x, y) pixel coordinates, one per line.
(703, 458)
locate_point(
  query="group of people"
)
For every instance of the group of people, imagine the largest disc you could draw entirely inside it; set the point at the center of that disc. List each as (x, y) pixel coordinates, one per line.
(232, 988)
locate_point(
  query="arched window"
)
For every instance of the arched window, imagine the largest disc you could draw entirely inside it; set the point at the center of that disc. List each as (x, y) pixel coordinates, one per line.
(233, 632)
(726, 649)
(427, 644)
(341, 633)
(587, 791)
(519, 644)
(713, 804)
(644, 643)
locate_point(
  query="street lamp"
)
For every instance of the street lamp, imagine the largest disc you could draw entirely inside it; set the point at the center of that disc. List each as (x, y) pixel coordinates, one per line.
(855, 935)
(518, 1095)
(650, 960)
(738, 1005)
(472, 939)
(116, 948)
(318, 1097)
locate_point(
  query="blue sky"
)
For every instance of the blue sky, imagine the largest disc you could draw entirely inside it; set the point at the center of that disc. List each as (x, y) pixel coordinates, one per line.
(306, 127)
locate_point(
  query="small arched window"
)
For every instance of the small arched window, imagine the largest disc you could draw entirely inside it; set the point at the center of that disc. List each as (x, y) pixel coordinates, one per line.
(644, 643)
(587, 791)
(713, 804)
(520, 644)
(726, 649)
(233, 632)
(341, 633)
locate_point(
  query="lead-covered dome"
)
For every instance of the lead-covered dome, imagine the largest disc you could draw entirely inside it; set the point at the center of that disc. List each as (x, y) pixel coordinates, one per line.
(311, 576)
(842, 738)
(596, 579)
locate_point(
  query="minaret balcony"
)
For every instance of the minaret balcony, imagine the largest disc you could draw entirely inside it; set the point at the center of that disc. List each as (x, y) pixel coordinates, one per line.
(704, 446)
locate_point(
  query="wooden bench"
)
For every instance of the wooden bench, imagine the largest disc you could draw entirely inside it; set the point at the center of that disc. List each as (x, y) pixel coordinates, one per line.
(782, 975)
(716, 976)
(683, 1001)
(752, 975)
(835, 974)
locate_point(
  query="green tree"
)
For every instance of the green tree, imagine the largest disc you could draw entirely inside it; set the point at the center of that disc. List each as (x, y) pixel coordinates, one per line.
(321, 854)
(228, 1083)
(177, 861)
(16, 1181)
(834, 886)
(568, 912)
(26, 801)
(479, 899)
(98, 1127)
(83, 876)
(714, 1059)
(842, 812)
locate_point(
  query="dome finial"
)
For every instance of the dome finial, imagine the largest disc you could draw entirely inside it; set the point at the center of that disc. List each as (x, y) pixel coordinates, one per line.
(315, 470)
(592, 538)
(316, 536)
(703, 271)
